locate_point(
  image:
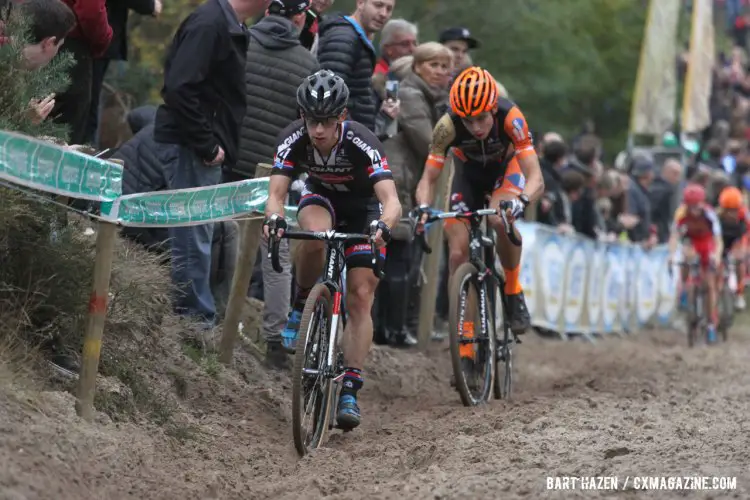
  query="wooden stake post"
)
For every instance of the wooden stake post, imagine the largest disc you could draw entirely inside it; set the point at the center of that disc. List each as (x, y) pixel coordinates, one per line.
(97, 315)
(432, 261)
(250, 231)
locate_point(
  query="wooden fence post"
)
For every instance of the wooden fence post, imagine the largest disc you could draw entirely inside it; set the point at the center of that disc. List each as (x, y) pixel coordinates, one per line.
(97, 315)
(250, 235)
(432, 261)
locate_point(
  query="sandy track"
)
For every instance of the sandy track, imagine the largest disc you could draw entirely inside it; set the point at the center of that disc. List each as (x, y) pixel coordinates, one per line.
(644, 405)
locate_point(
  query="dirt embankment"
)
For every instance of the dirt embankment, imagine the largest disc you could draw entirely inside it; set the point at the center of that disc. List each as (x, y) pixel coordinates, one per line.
(644, 405)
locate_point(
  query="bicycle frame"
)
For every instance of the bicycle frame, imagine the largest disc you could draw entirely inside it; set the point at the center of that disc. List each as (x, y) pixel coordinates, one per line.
(481, 246)
(333, 276)
(695, 290)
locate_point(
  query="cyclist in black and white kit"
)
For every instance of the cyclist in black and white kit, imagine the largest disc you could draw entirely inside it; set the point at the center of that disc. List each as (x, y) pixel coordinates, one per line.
(348, 186)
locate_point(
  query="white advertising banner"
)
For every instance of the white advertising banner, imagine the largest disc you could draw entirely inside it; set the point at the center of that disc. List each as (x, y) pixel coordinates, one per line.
(574, 285)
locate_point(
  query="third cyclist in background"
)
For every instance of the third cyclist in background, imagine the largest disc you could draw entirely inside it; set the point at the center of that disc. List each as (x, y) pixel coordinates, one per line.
(697, 226)
(733, 217)
(493, 156)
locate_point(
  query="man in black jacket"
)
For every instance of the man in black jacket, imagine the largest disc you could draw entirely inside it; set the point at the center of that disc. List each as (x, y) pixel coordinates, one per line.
(197, 129)
(346, 48)
(586, 218)
(662, 195)
(554, 157)
(276, 65)
(144, 173)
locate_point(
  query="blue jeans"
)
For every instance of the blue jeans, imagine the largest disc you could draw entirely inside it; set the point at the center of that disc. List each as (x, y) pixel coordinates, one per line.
(191, 245)
(734, 10)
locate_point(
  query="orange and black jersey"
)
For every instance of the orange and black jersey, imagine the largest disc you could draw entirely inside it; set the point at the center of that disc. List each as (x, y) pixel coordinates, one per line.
(734, 224)
(509, 135)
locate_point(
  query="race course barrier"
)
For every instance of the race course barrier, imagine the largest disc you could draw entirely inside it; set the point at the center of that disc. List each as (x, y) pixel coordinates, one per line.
(575, 285)
(26, 162)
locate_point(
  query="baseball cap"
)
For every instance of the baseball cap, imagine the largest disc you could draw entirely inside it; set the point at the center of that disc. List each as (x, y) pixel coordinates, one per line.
(459, 33)
(288, 8)
(641, 165)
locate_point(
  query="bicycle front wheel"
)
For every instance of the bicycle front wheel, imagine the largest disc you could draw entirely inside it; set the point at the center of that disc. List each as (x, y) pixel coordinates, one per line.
(504, 347)
(694, 316)
(472, 343)
(312, 383)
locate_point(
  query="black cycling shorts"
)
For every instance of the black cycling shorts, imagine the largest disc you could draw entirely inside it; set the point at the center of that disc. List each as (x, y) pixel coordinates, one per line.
(729, 242)
(349, 215)
(473, 182)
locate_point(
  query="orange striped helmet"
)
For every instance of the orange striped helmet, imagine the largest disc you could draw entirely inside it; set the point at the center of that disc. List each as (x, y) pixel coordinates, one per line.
(474, 92)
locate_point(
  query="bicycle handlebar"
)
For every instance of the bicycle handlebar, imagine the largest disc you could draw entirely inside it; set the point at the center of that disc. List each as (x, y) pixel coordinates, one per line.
(434, 215)
(328, 236)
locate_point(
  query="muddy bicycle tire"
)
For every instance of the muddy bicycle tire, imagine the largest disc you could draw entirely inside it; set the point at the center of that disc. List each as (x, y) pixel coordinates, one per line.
(465, 277)
(323, 384)
(504, 364)
(693, 316)
(726, 312)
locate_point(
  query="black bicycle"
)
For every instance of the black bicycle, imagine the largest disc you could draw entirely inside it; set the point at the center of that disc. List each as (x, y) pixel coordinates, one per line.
(318, 359)
(726, 296)
(475, 349)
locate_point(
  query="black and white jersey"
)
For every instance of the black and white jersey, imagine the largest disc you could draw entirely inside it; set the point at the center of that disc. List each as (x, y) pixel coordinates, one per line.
(355, 164)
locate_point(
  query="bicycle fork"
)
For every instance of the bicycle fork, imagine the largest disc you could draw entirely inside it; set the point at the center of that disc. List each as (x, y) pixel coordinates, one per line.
(335, 318)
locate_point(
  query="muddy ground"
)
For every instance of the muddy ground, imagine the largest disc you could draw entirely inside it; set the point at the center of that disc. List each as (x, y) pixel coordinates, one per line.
(644, 405)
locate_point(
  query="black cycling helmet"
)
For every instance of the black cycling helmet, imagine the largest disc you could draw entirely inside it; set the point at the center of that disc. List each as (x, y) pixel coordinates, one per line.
(323, 95)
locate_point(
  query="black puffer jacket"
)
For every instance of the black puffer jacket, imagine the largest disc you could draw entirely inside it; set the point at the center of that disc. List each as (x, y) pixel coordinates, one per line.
(276, 65)
(345, 50)
(143, 173)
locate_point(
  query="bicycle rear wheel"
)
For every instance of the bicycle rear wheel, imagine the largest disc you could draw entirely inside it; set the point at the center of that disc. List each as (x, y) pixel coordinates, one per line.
(312, 392)
(471, 341)
(726, 312)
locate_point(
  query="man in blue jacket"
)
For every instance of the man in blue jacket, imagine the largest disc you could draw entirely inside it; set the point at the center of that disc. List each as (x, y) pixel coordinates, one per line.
(346, 48)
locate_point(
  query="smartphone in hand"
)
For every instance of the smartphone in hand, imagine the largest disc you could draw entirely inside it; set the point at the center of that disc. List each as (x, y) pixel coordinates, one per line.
(391, 90)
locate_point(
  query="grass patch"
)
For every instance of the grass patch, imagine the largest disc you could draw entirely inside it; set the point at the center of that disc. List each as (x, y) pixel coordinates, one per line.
(209, 361)
(183, 433)
(140, 397)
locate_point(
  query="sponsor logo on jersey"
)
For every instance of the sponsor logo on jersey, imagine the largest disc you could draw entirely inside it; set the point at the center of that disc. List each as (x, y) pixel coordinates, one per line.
(518, 132)
(333, 178)
(280, 162)
(378, 167)
(286, 145)
(321, 169)
(358, 248)
(517, 180)
(371, 152)
(349, 135)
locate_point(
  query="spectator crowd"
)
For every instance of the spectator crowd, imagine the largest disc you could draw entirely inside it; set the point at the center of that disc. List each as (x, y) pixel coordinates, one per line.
(230, 88)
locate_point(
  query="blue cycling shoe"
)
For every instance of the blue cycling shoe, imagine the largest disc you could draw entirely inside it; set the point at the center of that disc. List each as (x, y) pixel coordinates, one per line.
(683, 300)
(289, 335)
(711, 337)
(348, 416)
